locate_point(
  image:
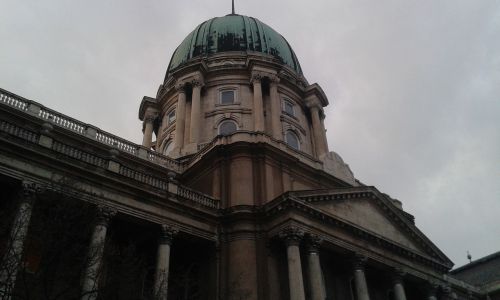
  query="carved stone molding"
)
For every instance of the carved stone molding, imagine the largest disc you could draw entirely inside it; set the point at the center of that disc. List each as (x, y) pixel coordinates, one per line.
(30, 190)
(359, 261)
(312, 103)
(197, 82)
(256, 77)
(314, 243)
(274, 79)
(292, 235)
(150, 118)
(180, 87)
(105, 214)
(167, 233)
(397, 276)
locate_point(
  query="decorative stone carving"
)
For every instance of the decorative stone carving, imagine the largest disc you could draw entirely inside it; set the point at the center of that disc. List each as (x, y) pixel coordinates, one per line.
(292, 235)
(359, 261)
(167, 233)
(274, 79)
(198, 82)
(256, 77)
(104, 215)
(180, 87)
(398, 275)
(313, 243)
(150, 118)
(29, 191)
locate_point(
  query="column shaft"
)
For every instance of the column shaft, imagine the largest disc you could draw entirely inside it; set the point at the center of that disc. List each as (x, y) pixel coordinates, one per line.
(258, 109)
(90, 283)
(317, 132)
(295, 272)
(147, 138)
(163, 262)
(162, 269)
(360, 285)
(275, 111)
(195, 114)
(315, 280)
(19, 230)
(180, 123)
(399, 291)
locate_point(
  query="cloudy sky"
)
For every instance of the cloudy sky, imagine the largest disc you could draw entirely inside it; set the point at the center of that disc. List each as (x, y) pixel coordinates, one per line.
(414, 87)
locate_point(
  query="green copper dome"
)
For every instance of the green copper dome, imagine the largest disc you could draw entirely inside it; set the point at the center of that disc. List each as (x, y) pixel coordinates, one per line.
(234, 33)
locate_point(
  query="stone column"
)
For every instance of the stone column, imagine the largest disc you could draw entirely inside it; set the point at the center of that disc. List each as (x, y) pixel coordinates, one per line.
(92, 273)
(258, 107)
(323, 130)
(315, 278)
(398, 287)
(195, 112)
(147, 138)
(292, 237)
(180, 121)
(13, 259)
(317, 131)
(432, 288)
(360, 286)
(163, 261)
(275, 109)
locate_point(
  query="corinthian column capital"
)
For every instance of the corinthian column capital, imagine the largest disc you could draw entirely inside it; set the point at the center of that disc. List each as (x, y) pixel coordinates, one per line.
(105, 214)
(314, 243)
(167, 233)
(359, 261)
(291, 235)
(256, 77)
(29, 190)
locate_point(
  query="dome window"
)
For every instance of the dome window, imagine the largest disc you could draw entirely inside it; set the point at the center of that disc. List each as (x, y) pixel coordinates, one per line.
(292, 140)
(288, 107)
(227, 97)
(171, 117)
(227, 127)
(168, 147)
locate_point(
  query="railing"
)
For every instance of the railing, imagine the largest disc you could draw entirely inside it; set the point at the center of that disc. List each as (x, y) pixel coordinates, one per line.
(61, 120)
(19, 132)
(197, 197)
(56, 118)
(114, 141)
(13, 100)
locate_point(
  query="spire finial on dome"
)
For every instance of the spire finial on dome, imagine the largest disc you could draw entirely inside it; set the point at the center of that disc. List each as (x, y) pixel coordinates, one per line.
(233, 8)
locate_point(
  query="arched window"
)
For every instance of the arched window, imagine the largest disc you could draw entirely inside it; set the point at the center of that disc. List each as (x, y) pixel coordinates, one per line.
(227, 127)
(168, 147)
(292, 140)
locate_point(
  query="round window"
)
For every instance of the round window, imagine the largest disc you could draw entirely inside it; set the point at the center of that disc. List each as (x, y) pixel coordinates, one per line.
(227, 127)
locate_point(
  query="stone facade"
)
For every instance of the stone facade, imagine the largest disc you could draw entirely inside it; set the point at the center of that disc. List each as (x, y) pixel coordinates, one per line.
(238, 197)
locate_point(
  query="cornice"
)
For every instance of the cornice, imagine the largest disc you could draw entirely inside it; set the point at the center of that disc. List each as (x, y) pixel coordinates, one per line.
(289, 202)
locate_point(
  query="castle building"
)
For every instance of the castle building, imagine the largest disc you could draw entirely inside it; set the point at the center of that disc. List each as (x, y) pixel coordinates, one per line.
(233, 193)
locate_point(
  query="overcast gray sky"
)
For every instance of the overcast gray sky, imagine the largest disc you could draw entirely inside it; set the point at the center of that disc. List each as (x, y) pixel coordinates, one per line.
(414, 87)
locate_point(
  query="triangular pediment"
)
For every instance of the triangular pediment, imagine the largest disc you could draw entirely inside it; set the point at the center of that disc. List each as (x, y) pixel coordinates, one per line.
(375, 213)
(368, 215)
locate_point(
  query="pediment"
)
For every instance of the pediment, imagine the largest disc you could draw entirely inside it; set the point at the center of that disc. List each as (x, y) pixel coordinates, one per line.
(369, 210)
(368, 215)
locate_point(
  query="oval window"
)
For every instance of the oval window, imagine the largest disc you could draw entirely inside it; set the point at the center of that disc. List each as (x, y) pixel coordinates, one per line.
(227, 127)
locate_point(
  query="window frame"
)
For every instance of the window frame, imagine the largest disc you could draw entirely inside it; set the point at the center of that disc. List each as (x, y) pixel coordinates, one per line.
(232, 89)
(288, 103)
(227, 121)
(169, 119)
(296, 136)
